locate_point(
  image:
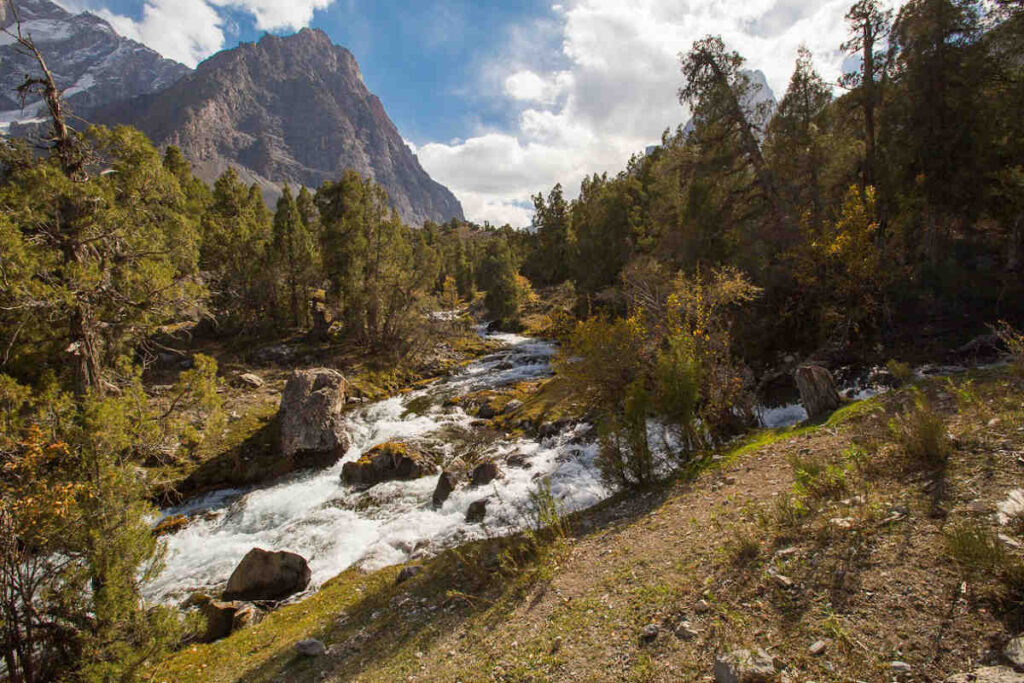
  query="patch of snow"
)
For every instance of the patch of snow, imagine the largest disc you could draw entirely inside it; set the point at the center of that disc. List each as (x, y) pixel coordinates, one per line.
(42, 31)
(84, 83)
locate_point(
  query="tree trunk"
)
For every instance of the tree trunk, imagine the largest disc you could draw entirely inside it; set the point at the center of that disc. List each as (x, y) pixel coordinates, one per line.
(86, 354)
(869, 105)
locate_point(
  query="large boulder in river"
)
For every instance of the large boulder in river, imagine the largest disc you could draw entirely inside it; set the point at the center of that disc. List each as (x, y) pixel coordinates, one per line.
(312, 427)
(389, 461)
(818, 392)
(266, 575)
(445, 485)
(484, 474)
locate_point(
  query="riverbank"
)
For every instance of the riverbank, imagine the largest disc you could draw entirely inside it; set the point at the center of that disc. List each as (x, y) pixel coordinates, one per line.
(828, 545)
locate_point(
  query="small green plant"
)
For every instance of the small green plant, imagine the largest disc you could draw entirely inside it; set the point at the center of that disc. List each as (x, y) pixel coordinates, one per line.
(975, 548)
(548, 516)
(921, 433)
(789, 511)
(979, 553)
(743, 549)
(1014, 342)
(901, 372)
(818, 480)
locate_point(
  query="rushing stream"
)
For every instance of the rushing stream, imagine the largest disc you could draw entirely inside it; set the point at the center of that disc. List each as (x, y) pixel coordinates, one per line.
(335, 526)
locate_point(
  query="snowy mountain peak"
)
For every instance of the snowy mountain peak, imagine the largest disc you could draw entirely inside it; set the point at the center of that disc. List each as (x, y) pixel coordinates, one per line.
(88, 58)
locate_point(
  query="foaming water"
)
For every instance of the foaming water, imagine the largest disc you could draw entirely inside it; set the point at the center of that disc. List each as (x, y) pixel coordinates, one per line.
(335, 527)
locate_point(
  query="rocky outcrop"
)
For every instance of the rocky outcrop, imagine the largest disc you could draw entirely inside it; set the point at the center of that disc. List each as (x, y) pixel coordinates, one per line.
(312, 427)
(267, 575)
(1014, 651)
(391, 461)
(224, 618)
(744, 666)
(289, 109)
(310, 647)
(88, 58)
(818, 392)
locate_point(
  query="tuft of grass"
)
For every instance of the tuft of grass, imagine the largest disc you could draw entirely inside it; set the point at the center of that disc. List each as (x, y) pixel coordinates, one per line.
(980, 554)
(743, 549)
(1014, 341)
(901, 372)
(818, 480)
(922, 434)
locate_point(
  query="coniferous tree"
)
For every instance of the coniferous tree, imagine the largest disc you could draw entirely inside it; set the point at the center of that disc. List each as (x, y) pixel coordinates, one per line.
(293, 254)
(869, 29)
(797, 143)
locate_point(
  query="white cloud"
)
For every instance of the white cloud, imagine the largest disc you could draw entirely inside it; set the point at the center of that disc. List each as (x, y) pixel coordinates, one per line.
(530, 87)
(184, 30)
(277, 14)
(614, 91)
(191, 30)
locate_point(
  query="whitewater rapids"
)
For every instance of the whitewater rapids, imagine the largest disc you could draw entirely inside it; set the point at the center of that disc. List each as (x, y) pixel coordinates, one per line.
(335, 527)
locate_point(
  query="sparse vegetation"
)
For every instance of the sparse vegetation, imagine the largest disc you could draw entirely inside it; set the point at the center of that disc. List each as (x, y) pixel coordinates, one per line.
(922, 434)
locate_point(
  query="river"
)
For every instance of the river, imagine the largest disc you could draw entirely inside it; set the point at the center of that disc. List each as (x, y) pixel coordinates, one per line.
(335, 527)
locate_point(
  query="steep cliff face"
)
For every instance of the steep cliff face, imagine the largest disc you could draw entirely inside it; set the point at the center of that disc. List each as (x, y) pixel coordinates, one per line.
(86, 56)
(292, 109)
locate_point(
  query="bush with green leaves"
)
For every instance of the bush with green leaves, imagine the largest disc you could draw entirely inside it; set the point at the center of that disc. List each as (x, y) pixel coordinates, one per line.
(668, 365)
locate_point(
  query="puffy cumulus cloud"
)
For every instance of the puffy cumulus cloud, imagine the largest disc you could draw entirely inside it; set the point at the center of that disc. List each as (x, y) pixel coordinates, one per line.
(613, 90)
(191, 30)
(184, 30)
(530, 87)
(277, 14)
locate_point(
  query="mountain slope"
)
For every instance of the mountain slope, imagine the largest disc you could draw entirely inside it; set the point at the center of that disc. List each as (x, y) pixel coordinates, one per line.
(88, 58)
(292, 109)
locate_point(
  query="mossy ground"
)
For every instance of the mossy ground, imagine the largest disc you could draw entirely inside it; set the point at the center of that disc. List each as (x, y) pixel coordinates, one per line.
(863, 557)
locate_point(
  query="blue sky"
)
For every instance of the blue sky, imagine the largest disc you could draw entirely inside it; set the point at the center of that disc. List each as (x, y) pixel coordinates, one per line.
(500, 99)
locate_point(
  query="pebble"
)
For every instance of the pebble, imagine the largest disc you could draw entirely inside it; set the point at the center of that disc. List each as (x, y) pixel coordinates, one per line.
(817, 647)
(684, 631)
(898, 667)
(650, 633)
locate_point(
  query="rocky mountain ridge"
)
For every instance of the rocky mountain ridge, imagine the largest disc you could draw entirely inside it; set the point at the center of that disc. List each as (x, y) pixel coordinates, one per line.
(94, 64)
(289, 109)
